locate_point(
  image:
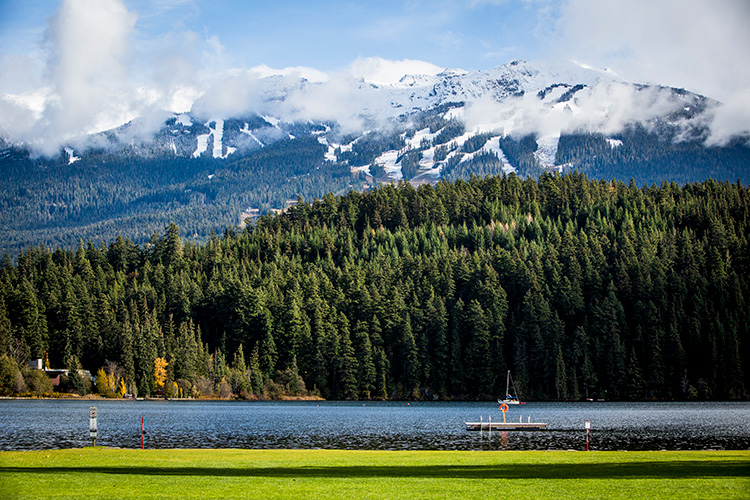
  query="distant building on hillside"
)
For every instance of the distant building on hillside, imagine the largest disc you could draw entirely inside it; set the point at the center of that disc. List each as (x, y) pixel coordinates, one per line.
(55, 373)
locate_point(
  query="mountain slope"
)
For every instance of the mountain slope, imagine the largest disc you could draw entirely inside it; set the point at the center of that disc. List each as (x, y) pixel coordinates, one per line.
(216, 165)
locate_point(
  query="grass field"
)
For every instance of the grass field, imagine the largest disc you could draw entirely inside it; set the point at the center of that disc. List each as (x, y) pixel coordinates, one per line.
(106, 473)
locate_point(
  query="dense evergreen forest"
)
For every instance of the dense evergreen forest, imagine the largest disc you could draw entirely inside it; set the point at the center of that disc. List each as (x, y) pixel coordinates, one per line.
(582, 288)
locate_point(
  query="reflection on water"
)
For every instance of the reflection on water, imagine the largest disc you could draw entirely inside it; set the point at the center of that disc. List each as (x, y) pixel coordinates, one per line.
(373, 425)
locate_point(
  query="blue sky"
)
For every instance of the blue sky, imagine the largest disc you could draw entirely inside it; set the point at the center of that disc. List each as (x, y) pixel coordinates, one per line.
(76, 66)
(325, 35)
(328, 35)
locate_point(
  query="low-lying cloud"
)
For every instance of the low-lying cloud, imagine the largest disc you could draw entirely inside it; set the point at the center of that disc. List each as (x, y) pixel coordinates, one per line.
(606, 107)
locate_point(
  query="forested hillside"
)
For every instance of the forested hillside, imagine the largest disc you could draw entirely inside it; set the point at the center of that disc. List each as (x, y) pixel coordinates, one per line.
(56, 203)
(136, 189)
(582, 288)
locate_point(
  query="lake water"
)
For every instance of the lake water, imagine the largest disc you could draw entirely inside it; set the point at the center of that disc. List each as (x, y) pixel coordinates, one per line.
(49, 424)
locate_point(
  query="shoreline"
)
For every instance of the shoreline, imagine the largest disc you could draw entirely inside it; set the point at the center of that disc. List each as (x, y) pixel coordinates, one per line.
(96, 397)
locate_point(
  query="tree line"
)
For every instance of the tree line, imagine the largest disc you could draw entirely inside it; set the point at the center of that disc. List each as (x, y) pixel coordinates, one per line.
(582, 288)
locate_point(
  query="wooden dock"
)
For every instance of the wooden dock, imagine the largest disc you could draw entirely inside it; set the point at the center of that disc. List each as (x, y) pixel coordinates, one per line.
(506, 426)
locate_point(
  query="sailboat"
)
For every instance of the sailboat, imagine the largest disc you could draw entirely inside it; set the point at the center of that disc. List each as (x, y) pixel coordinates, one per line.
(510, 399)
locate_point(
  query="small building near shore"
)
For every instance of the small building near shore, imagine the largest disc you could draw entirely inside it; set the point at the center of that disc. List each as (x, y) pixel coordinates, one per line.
(54, 374)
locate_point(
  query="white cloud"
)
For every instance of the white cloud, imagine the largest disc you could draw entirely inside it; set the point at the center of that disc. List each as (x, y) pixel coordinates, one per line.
(16, 120)
(86, 86)
(310, 74)
(98, 75)
(731, 119)
(340, 99)
(231, 95)
(89, 64)
(385, 72)
(172, 67)
(18, 73)
(346, 96)
(700, 45)
(606, 107)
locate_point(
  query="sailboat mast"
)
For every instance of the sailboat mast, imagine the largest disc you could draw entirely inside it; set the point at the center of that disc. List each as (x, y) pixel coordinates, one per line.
(507, 385)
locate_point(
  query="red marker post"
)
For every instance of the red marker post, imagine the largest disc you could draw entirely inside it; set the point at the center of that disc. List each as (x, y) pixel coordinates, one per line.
(588, 426)
(143, 433)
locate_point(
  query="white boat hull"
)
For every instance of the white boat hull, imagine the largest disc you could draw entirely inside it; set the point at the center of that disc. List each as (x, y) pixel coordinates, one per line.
(509, 402)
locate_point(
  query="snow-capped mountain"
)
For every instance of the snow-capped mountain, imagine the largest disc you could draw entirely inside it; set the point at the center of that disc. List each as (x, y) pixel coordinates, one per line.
(259, 143)
(430, 114)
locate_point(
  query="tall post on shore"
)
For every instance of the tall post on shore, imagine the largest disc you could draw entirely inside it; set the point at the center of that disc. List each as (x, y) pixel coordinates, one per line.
(92, 425)
(588, 426)
(143, 433)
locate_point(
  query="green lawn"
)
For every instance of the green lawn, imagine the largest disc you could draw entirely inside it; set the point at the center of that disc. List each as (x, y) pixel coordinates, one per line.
(312, 474)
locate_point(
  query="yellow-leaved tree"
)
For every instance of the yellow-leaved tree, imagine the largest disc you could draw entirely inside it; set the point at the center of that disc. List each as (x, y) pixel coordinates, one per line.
(160, 372)
(104, 384)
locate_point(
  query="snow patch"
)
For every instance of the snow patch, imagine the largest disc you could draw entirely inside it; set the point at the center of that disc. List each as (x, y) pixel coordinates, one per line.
(416, 141)
(428, 159)
(454, 114)
(547, 150)
(218, 136)
(614, 143)
(184, 120)
(463, 138)
(493, 146)
(246, 130)
(202, 145)
(454, 72)
(364, 168)
(217, 131)
(331, 153)
(388, 161)
(554, 94)
(272, 120)
(71, 157)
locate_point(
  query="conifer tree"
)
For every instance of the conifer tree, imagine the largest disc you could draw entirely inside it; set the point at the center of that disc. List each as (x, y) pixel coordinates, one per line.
(367, 374)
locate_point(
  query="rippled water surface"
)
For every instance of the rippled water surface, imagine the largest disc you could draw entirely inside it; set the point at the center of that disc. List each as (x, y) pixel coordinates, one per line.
(45, 424)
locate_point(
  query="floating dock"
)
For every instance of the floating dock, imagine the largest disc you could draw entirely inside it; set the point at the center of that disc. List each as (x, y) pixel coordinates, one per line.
(506, 426)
